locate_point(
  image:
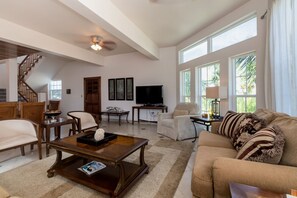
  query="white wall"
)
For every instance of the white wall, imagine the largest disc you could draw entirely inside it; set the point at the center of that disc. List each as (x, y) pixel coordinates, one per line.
(143, 70)
(256, 44)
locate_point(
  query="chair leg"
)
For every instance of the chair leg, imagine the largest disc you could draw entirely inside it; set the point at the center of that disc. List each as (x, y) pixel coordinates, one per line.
(32, 147)
(22, 150)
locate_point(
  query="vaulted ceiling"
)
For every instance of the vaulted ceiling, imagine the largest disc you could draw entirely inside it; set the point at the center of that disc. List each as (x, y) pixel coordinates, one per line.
(64, 27)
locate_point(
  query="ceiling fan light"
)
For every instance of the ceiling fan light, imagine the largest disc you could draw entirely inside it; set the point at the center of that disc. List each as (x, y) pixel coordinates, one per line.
(96, 47)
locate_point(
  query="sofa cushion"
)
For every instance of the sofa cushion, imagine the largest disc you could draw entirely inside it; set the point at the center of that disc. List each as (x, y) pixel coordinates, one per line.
(230, 123)
(288, 125)
(265, 145)
(202, 177)
(247, 127)
(3, 193)
(268, 115)
(211, 139)
(178, 112)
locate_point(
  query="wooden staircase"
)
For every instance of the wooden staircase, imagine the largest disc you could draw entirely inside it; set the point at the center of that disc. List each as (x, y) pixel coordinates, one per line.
(25, 92)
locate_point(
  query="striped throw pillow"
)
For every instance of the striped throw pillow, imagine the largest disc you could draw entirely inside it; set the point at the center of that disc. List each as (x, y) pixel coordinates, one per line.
(266, 145)
(230, 123)
(247, 127)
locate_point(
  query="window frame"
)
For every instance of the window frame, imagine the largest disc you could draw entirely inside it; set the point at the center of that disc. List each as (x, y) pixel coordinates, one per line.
(199, 96)
(50, 90)
(232, 85)
(182, 87)
(209, 38)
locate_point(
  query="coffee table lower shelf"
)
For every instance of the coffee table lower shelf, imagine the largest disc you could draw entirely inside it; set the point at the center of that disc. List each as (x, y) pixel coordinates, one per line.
(105, 180)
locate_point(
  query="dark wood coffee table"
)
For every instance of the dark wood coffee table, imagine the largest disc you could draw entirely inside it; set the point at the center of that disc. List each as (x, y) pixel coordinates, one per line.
(116, 178)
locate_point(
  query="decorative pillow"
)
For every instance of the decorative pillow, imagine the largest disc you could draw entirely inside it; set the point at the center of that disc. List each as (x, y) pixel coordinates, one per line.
(180, 112)
(247, 127)
(265, 146)
(230, 123)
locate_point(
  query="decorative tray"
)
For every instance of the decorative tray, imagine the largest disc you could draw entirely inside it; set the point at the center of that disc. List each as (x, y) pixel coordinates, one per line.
(89, 139)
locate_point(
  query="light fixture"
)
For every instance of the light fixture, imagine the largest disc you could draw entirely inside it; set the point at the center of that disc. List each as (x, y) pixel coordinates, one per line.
(96, 47)
(216, 93)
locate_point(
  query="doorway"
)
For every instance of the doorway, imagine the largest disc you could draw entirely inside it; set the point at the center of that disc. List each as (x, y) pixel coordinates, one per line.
(92, 95)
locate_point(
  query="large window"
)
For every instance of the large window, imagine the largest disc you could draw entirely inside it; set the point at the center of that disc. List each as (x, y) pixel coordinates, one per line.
(208, 76)
(244, 82)
(185, 86)
(55, 90)
(194, 51)
(230, 35)
(236, 34)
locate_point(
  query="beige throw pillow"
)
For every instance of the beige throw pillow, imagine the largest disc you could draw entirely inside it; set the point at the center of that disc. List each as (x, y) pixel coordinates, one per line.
(180, 112)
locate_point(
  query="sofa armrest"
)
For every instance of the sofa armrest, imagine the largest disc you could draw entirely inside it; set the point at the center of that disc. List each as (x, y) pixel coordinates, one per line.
(276, 178)
(215, 126)
(162, 116)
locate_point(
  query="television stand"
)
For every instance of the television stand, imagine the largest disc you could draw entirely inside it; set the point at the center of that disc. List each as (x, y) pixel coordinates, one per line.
(163, 108)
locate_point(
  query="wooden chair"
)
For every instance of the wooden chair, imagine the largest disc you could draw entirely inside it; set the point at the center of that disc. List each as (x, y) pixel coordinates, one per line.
(8, 110)
(54, 105)
(84, 121)
(19, 133)
(33, 111)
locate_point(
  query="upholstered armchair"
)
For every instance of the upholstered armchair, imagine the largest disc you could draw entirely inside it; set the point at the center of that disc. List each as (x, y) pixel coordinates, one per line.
(84, 121)
(178, 125)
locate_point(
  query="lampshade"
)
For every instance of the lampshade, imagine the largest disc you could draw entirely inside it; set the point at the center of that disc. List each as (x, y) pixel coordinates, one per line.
(96, 47)
(216, 92)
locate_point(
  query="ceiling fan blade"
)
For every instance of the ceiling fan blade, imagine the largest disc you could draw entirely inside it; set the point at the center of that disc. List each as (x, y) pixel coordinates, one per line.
(109, 45)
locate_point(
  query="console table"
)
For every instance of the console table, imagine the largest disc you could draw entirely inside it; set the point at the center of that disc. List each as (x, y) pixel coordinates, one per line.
(138, 108)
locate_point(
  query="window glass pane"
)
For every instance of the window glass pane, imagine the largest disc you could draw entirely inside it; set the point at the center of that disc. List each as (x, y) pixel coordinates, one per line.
(235, 35)
(193, 52)
(186, 86)
(55, 90)
(240, 104)
(250, 104)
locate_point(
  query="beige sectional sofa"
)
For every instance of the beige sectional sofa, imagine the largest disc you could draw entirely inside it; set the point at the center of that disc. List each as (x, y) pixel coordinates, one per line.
(216, 164)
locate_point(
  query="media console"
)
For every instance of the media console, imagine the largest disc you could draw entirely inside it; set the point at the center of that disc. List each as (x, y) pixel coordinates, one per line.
(163, 108)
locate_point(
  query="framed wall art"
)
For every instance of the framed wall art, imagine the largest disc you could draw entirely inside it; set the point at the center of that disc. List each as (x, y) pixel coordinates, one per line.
(120, 88)
(129, 89)
(111, 89)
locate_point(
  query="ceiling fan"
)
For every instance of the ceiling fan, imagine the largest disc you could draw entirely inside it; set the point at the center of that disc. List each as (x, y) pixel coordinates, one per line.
(98, 43)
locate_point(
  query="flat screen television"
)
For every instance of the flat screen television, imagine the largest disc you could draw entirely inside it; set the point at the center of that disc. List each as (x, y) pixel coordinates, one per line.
(149, 95)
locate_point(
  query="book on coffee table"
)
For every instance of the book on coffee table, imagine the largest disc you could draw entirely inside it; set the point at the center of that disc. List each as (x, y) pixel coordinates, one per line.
(92, 167)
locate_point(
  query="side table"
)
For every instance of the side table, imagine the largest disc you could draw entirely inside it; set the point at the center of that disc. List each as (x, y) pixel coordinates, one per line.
(116, 113)
(204, 121)
(57, 123)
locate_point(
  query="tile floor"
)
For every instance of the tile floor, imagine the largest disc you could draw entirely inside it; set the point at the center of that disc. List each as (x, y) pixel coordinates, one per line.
(11, 159)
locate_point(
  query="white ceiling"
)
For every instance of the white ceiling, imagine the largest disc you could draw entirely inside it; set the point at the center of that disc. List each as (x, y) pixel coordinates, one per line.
(165, 22)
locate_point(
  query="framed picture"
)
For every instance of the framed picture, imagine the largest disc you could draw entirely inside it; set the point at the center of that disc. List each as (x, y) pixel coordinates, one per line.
(120, 88)
(111, 89)
(129, 89)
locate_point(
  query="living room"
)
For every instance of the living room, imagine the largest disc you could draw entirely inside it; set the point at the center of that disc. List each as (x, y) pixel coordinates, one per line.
(166, 70)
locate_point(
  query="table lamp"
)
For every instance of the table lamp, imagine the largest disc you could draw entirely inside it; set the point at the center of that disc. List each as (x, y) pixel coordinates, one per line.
(216, 93)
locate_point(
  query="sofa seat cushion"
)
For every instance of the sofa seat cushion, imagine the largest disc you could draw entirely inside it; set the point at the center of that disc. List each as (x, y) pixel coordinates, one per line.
(168, 123)
(211, 139)
(20, 139)
(202, 177)
(288, 125)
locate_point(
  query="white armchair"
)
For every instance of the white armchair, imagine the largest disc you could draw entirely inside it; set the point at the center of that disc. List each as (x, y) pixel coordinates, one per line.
(178, 125)
(84, 121)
